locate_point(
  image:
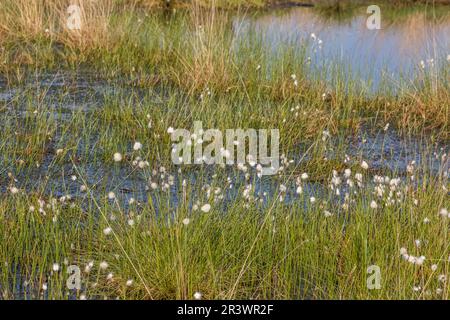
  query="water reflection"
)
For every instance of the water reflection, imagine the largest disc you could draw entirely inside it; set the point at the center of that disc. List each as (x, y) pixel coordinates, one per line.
(392, 53)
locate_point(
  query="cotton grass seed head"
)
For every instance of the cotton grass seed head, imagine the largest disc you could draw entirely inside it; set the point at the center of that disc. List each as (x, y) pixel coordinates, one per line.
(117, 157)
(364, 165)
(198, 295)
(14, 190)
(103, 265)
(137, 146)
(347, 173)
(420, 260)
(206, 207)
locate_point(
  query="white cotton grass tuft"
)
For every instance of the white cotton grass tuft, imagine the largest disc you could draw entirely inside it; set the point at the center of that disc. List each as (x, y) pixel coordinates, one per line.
(88, 267)
(347, 173)
(107, 231)
(111, 195)
(137, 146)
(129, 282)
(55, 267)
(206, 207)
(420, 260)
(198, 295)
(186, 221)
(364, 165)
(103, 265)
(422, 64)
(14, 190)
(373, 204)
(117, 157)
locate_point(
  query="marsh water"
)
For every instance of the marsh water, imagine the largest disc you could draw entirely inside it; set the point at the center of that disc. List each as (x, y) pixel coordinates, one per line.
(342, 42)
(373, 56)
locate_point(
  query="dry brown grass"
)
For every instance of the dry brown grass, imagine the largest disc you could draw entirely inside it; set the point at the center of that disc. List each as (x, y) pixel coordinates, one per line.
(32, 19)
(206, 59)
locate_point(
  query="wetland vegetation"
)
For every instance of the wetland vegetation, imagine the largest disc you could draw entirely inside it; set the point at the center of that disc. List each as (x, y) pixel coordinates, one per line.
(87, 179)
